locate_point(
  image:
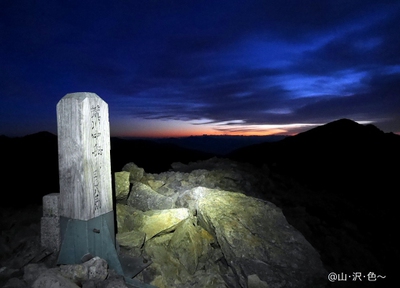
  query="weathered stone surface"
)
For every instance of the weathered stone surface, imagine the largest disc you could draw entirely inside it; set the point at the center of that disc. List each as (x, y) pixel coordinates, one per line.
(243, 240)
(51, 206)
(144, 198)
(136, 173)
(122, 185)
(254, 282)
(214, 173)
(95, 269)
(52, 278)
(15, 283)
(165, 270)
(186, 244)
(125, 217)
(113, 281)
(170, 264)
(32, 271)
(161, 221)
(132, 241)
(214, 268)
(77, 273)
(84, 162)
(50, 233)
(155, 184)
(98, 269)
(218, 173)
(256, 239)
(93, 273)
(151, 222)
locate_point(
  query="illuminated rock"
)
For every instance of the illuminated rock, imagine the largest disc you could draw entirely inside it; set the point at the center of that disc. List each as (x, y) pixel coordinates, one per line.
(157, 222)
(144, 198)
(125, 217)
(136, 173)
(155, 184)
(122, 185)
(256, 239)
(132, 241)
(227, 238)
(172, 259)
(190, 244)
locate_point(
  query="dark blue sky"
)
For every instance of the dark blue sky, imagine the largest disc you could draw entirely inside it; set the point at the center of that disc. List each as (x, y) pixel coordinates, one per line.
(173, 68)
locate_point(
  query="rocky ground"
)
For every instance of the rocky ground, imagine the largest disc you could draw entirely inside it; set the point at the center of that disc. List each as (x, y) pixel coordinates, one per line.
(166, 217)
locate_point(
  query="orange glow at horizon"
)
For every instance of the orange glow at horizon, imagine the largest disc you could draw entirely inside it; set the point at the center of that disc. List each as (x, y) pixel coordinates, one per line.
(210, 132)
(175, 129)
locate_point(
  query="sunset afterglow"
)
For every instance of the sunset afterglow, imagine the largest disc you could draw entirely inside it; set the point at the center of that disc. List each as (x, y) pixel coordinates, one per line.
(181, 68)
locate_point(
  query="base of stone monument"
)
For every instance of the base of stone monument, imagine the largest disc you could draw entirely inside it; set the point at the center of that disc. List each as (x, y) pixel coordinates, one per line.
(95, 237)
(91, 237)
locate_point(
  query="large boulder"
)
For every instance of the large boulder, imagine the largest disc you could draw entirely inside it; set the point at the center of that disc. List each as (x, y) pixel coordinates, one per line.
(144, 198)
(126, 217)
(52, 278)
(190, 244)
(256, 239)
(92, 273)
(153, 222)
(171, 256)
(122, 185)
(95, 269)
(136, 173)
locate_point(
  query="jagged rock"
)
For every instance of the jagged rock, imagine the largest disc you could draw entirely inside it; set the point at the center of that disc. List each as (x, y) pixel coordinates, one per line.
(173, 254)
(95, 269)
(15, 283)
(158, 222)
(125, 217)
(136, 173)
(132, 241)
(8, 273)
(52, 278)
(256, 239)
(113, 281)
(144, 198)
(155, 184)
(165, 269)
(187, 244)
(239, 240)
(151, 222)
(214, 173)
(254, 282)
(32, 271)
(77, 273)
(121, 185)
(218, 173)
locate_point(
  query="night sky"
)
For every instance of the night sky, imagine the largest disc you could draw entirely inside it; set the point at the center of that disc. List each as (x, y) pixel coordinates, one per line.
(180, 68)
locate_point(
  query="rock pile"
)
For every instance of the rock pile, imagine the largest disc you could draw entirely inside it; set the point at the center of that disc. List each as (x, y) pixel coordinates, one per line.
(90, 274)
(211, 224)
(24, 263)
(200, 227)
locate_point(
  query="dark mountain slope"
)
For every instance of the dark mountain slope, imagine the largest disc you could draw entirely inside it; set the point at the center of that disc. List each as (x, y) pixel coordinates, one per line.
(353, 169)
(29, 164)
(152, 156)
(29, 168)
(341, 155)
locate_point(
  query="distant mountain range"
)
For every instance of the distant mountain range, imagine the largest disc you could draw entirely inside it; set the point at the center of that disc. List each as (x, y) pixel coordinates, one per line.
(218, 145)
(340, 156)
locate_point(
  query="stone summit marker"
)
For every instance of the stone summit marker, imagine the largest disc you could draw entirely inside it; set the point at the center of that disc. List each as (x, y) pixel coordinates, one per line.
(86, 204)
